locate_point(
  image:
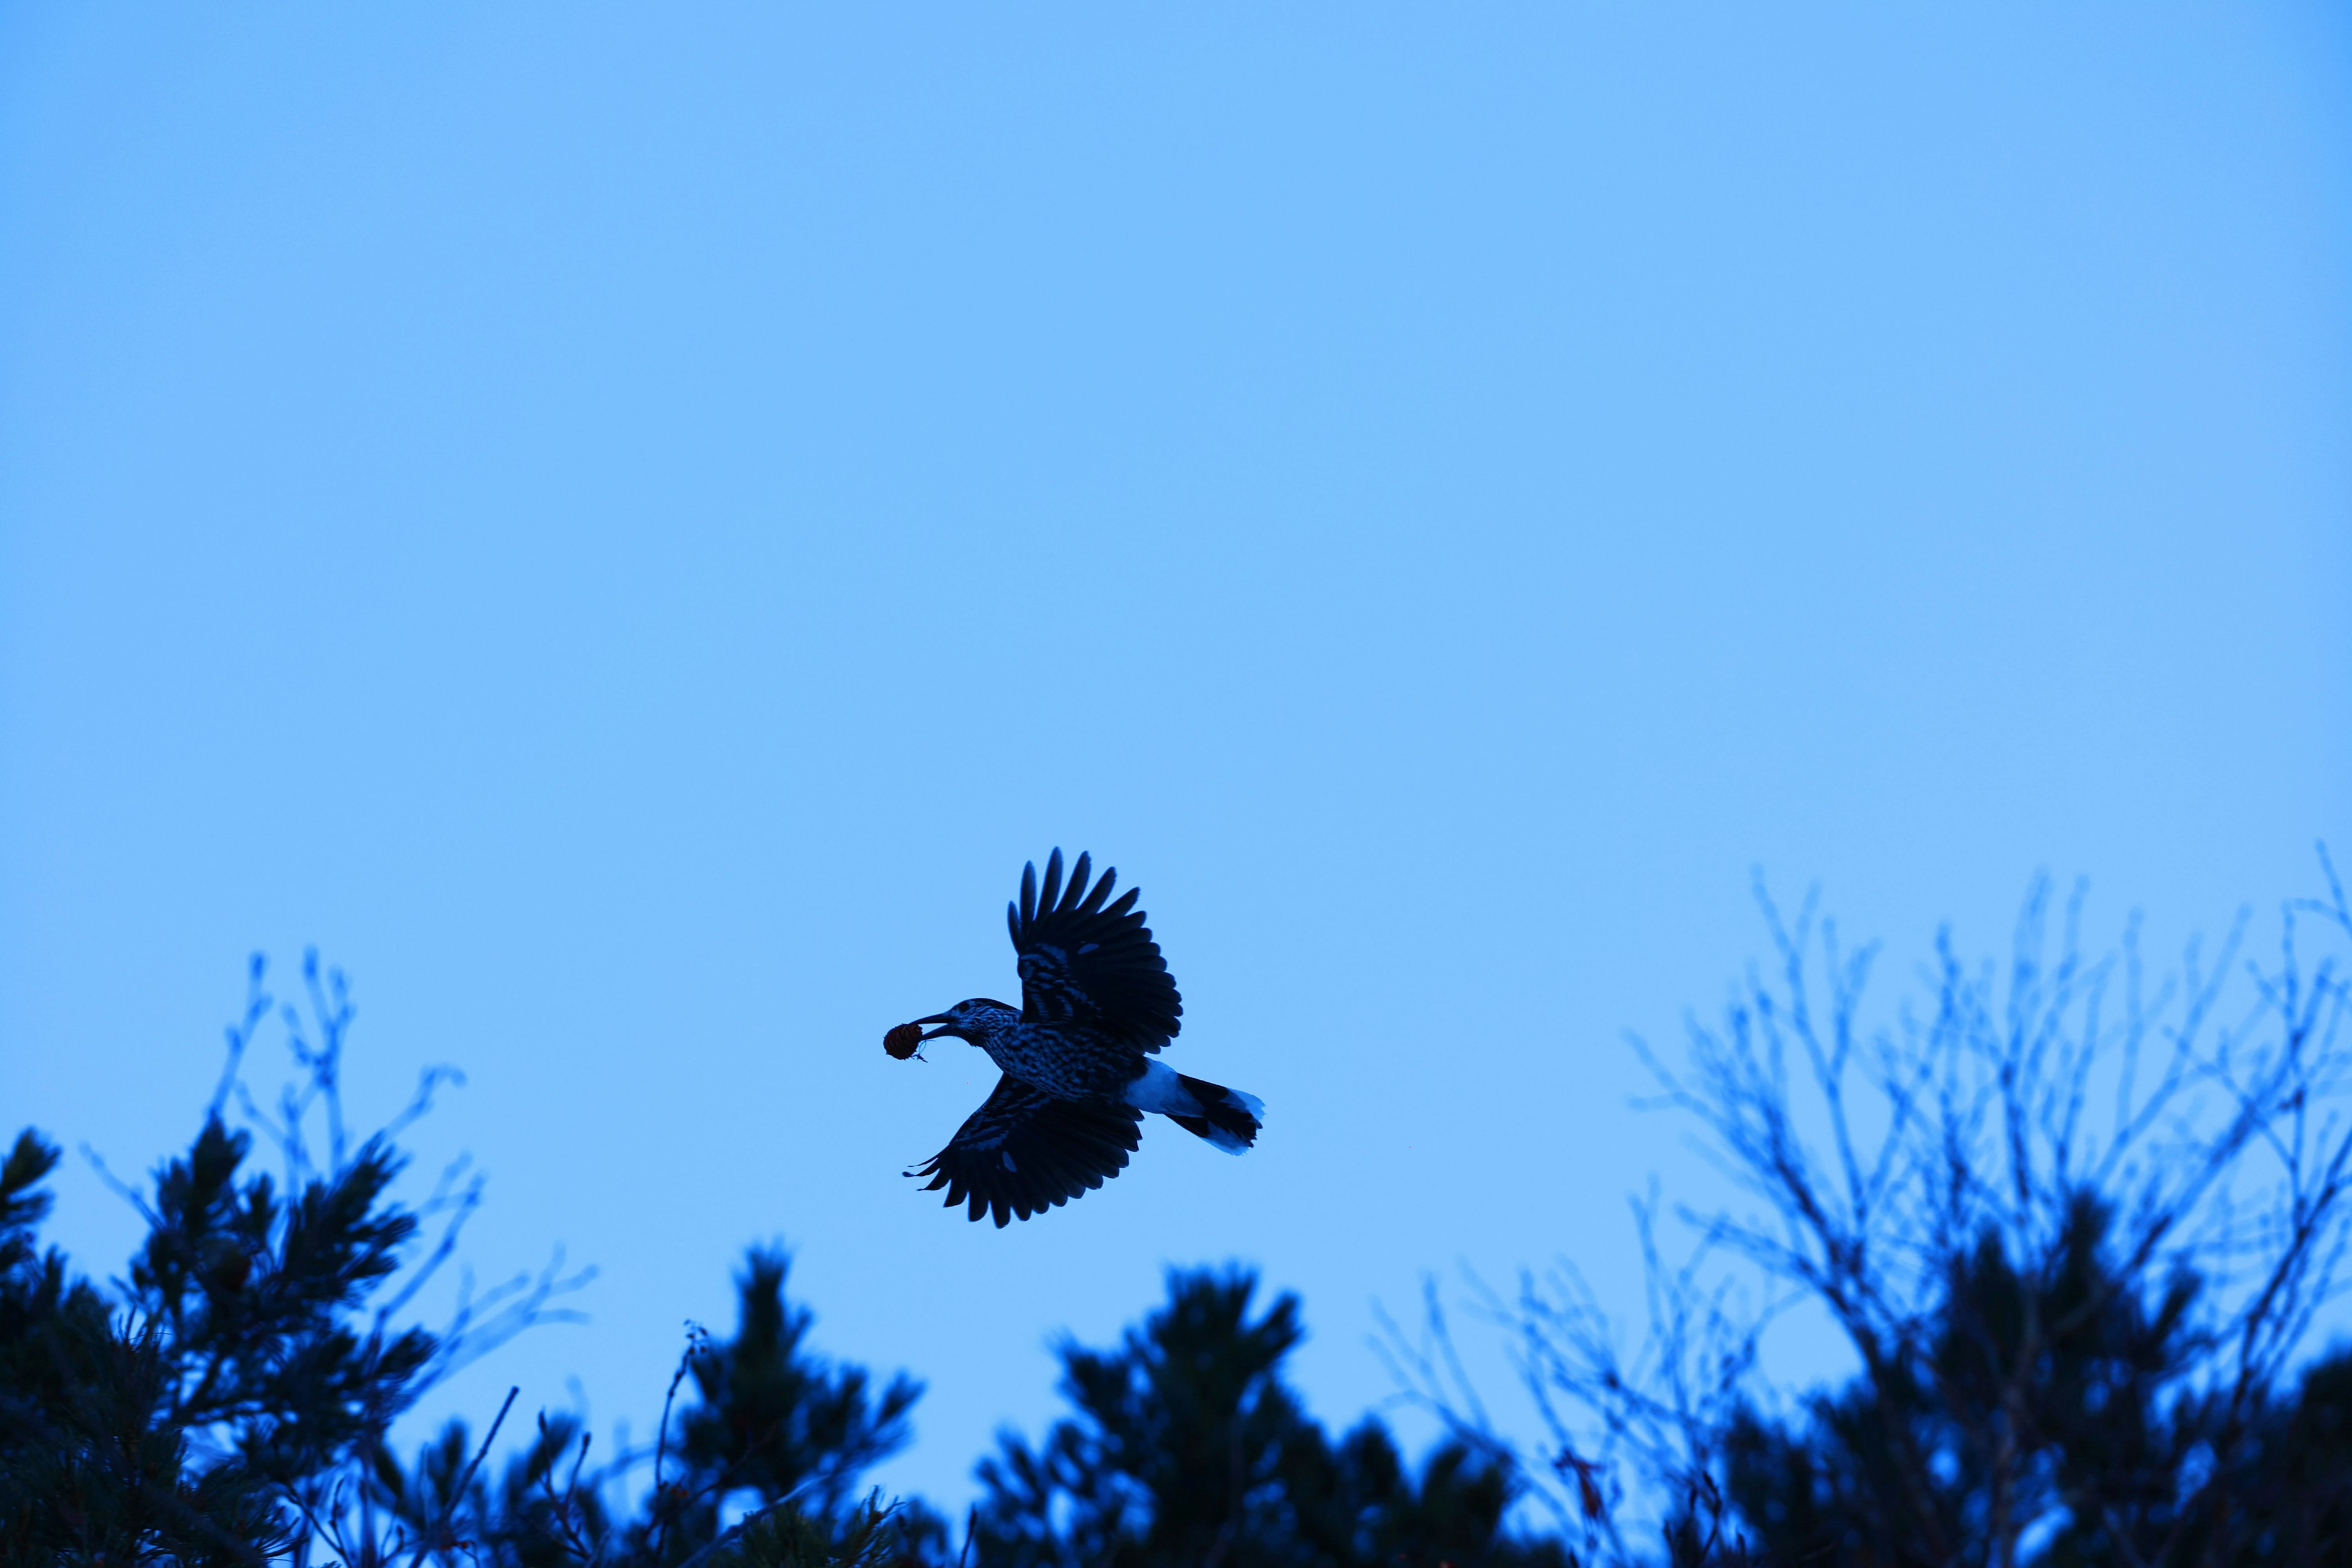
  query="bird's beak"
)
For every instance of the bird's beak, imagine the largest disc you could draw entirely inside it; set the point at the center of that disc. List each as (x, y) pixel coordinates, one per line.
(941, 1019)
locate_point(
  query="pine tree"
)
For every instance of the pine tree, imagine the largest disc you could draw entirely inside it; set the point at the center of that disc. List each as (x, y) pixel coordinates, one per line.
(233, 1402)
(2104, 1428)
(776, 1436)
(2075, 1222)
(1188, 1450)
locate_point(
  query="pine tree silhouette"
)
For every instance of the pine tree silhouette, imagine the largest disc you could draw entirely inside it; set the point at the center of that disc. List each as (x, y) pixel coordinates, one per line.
(232, 1403)
(2106, 1433)
(1188, 1450)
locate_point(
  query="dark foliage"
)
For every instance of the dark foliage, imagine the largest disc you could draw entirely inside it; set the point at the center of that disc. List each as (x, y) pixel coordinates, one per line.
(93, 1463)
(2079, 1336)
(775, 1431)
(2105, 1433)
(2072, 1220)
(205, 1413)
(215, 1407)
(777, 1423)
(1189, 1451)
(232, 1401)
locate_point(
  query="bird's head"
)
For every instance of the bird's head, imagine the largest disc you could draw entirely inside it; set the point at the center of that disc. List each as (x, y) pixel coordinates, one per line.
(970, 1020)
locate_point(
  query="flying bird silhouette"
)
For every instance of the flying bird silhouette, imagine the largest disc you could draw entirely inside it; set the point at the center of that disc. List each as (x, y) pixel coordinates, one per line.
(1096, 1001)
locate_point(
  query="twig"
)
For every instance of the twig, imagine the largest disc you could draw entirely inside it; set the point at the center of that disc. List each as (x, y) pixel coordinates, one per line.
(432, 1542)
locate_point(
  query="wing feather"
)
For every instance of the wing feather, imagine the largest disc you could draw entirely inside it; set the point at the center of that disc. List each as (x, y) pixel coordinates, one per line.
(1093, 900)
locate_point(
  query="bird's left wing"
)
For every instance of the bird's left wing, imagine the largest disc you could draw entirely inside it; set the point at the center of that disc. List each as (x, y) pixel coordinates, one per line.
(1090, 960)
(1023, 1151)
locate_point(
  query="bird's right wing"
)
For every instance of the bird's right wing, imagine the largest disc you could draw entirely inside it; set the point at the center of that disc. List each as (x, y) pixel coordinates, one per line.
(1023, 1151)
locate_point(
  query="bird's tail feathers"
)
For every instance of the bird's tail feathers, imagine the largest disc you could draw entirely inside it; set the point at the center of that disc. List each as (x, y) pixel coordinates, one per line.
(1227, 1118)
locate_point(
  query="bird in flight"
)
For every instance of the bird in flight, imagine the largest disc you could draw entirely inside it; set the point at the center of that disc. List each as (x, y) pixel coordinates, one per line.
(1096, 1001)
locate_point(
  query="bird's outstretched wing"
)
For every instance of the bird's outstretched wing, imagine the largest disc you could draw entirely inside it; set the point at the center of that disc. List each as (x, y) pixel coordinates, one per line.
(1091, 962)
(1023, 1151)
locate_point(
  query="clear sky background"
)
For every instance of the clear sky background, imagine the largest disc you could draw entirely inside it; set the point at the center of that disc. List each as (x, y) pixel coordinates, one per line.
(626, 525)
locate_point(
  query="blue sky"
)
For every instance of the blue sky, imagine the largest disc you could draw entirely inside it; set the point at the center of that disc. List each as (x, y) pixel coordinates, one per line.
(625, 526)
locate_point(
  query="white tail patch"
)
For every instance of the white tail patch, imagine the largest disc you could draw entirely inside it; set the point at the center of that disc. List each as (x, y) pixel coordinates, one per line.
(1159, 1087)
(1230, 1124)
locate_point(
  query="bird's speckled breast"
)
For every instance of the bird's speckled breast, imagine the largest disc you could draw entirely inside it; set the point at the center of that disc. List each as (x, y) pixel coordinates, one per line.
(1066, 1062)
